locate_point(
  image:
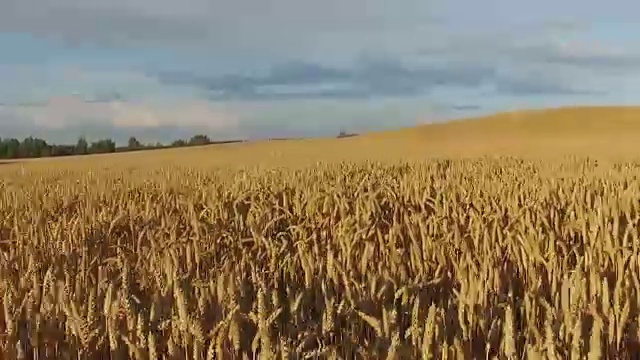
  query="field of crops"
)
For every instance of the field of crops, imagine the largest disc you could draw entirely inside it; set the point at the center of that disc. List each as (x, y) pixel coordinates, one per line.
(479, 240)
(478, 258)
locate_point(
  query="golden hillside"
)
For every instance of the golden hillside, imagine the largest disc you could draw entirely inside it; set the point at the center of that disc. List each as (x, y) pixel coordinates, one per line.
(607, 131)
(595, 131)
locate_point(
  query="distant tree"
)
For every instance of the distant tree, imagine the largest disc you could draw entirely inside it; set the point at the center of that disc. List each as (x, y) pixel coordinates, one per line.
(82, 147)
(46, 151)
(344, 134)
(110, 145)
(3, 149)
(13, 148)
(178, 143)
(199, 140)
(32, 147)
(63, 150)
(134, 143)
(26, 148)
(102, 147)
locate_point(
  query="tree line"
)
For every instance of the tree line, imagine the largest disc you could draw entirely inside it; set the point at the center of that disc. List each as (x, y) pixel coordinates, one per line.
(32, 147)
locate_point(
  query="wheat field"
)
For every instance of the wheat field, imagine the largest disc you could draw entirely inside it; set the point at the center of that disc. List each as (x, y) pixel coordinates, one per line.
(427, 243)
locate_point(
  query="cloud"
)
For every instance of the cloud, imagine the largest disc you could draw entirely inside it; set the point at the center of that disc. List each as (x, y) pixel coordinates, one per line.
(113, 23)
(194, 114)
(533, 86)
(37, 84)
(379, 77)
(368, 77)
(57, 112)
(591, 54)
(226, 24)
(63, 111)
(152, 122)
(465, 107)
(538, 80)
(429, 44)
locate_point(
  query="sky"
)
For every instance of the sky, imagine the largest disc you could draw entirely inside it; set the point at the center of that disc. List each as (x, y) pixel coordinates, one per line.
(161, 70)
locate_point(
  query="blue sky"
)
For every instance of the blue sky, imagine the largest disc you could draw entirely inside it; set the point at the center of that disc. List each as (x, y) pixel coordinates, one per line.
(161, 69)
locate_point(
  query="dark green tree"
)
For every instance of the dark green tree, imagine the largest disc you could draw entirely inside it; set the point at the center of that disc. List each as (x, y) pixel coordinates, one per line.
(134, 144)
(32, 147)
(102, 147)
(82, 147)
(13, 148)
(178, 143)
(199, 140)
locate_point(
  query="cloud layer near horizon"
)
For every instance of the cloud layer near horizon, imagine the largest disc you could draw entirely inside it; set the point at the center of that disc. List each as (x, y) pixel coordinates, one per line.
(61, 111)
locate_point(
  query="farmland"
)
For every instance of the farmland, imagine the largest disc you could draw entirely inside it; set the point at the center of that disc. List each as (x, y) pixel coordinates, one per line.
(513, 236)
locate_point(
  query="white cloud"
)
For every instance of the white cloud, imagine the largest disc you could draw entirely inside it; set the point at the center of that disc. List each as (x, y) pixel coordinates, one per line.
(62, 111)
(56, 113)
(200, 114)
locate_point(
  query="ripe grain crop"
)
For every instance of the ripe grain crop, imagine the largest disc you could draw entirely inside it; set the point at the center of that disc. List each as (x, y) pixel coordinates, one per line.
(482, 258)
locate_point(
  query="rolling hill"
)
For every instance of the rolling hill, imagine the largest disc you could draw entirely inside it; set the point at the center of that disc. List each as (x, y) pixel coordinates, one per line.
(607, 131)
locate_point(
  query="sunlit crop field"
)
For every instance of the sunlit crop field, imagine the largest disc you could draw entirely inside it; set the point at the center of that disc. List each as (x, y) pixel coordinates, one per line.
(338, 249)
